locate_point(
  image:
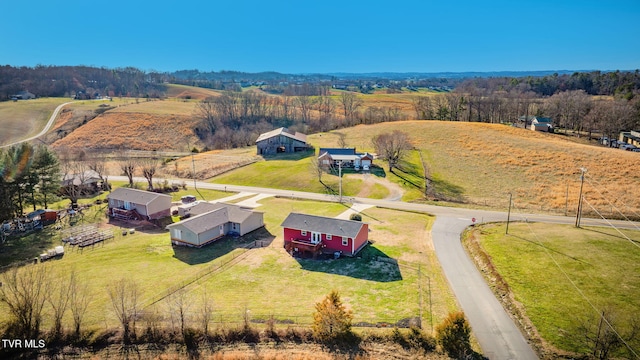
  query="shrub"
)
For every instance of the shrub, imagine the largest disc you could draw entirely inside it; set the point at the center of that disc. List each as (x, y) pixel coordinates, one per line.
(331, 321)
(453, 335)
(356, 217)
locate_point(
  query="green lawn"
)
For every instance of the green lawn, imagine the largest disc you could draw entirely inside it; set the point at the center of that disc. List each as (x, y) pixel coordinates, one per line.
(292, 172)
(558, 272)
(267, 281)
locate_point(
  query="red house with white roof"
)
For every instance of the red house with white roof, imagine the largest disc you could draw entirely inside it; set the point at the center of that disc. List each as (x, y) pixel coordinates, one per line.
(313, 235)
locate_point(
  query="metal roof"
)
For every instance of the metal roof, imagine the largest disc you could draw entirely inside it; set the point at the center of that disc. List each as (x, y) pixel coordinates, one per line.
(285, 132)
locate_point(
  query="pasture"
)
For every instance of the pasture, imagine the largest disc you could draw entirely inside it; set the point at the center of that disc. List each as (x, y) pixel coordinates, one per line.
(562, 278)
(477, 165)
(388, 283)
(25, 118)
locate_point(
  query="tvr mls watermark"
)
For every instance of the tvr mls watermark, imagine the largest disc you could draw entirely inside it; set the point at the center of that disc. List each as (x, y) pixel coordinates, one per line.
(23, 344)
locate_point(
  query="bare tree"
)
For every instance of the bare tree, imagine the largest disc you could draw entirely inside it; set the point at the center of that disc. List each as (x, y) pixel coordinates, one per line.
(58, 298)
(74, 177)
(124, 300)
(128, 167)
(422, 107)
(149, 168)
(350, 104)
(79, 300)
(304, 105)
(342, 140)
(179, 305)
(24, 291)
(316, 168)
(392, 147)
(604, 335)
(97, 164)
(206, 312)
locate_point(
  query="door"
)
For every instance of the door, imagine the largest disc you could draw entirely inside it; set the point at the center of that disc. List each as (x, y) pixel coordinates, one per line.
(316, 237)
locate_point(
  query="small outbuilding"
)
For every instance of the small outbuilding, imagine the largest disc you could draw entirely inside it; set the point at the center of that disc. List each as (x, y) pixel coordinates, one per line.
(281, 140)
(205, 228)
(314, 235)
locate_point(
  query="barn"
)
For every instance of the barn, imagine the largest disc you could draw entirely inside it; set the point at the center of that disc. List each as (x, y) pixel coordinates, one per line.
(313, 235)
(281, 140)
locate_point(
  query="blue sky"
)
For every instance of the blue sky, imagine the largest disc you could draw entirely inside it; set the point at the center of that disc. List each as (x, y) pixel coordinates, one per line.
(308, 36)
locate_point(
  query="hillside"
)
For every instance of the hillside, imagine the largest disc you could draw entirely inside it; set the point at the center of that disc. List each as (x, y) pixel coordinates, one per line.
(480, 164)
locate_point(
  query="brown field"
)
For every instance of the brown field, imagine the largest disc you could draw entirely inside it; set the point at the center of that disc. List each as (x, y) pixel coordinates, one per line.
(189, 92)
(481, 163)
(133, 130)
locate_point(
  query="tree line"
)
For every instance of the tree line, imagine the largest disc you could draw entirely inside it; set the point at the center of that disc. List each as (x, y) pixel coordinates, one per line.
(571, 109)
(68, 81)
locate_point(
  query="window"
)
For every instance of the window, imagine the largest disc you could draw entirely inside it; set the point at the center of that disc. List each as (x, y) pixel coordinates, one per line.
(328, 236)
(303, 232)
(345, 241)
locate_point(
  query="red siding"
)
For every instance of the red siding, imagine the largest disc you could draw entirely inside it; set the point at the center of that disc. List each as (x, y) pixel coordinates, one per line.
(335, 244)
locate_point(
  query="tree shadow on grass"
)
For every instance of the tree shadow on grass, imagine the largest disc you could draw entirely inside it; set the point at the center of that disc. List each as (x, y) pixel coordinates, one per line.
(226, 244)
(548, 248)
(370, 264)
(612, 235)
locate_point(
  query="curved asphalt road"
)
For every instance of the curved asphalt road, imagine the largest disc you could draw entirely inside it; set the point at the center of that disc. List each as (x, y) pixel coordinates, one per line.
(497, 334)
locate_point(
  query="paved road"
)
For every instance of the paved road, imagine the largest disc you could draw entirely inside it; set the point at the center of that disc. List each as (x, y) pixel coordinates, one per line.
(497, 334)
(47, 127)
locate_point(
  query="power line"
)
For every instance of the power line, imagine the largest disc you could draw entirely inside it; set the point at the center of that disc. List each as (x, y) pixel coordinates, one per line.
(575, 286)
(614, 207)
(613, 226)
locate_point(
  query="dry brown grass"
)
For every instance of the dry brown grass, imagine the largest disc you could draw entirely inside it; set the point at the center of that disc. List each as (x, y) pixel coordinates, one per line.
(189, 92)
(138, 131)
(482, 163)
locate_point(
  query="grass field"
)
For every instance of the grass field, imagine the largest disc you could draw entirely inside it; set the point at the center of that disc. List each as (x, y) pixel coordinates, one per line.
(294, 172)
(267, 281)
(21, 119)
(564, 277)
(479, 165)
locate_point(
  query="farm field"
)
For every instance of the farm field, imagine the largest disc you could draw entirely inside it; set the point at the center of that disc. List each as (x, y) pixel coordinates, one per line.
(266, 280)
(562, 278)
(478, 165)
(21, 119)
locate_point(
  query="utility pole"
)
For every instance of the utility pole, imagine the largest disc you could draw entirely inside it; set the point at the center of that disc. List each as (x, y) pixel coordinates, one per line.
(340, 178)
(193, 163)
(508, 214)
(579, 214)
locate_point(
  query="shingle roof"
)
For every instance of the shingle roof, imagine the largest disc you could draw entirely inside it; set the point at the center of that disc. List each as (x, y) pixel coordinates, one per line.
(135, 196)
(283, 131)
(322, 224)
(218, 214)
(203, 222)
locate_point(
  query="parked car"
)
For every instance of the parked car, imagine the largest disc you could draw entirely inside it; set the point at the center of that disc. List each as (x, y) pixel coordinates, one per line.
(365, 167)
(628, 147)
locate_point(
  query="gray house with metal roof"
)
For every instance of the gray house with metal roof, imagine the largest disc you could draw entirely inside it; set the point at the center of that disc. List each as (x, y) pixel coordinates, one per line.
(205, 228)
